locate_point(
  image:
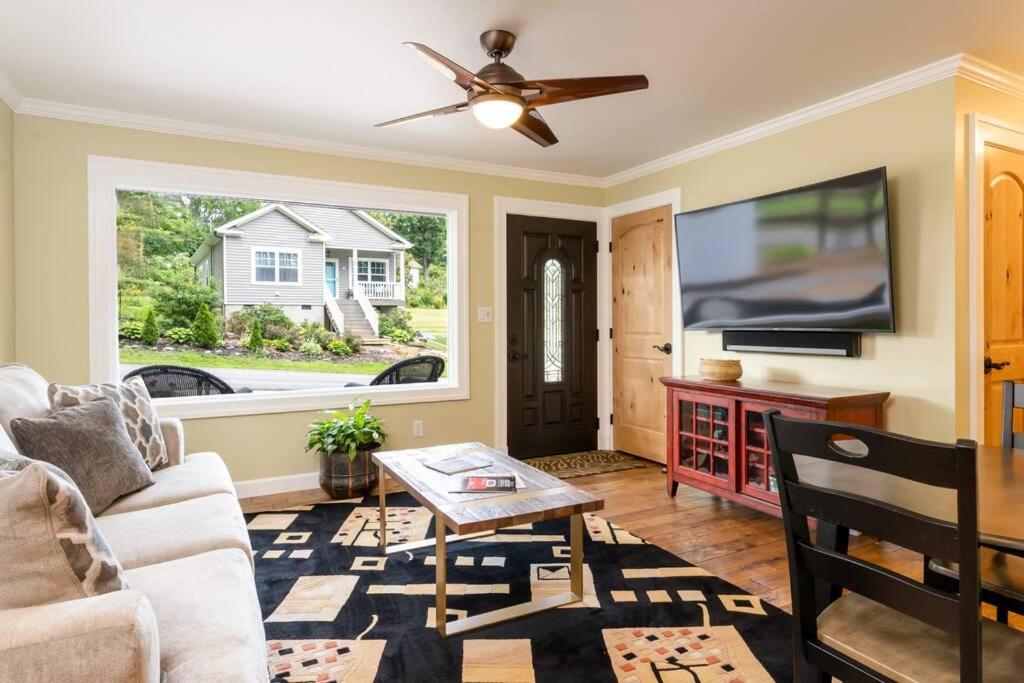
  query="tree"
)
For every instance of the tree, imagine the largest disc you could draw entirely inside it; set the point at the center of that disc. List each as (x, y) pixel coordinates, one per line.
(428, 234)
(255, 341)
(150, 333)
(204, 328)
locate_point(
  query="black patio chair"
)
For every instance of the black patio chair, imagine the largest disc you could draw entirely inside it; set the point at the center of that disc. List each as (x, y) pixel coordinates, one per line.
(409, 371)
(174, 381)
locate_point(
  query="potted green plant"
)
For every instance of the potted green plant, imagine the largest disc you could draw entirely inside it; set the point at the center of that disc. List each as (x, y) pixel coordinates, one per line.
(345, 442)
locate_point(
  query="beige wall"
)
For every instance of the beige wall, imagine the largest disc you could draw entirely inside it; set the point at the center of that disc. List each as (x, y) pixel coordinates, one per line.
(971, 98)
(911, 134)
(6, 232)
(51, 214)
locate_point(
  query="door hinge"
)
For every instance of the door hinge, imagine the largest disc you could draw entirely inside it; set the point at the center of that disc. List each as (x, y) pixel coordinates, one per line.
(597, 423)
(597, 334)
(611, 418)
(610, 331)
(609, 246)
(597, 246)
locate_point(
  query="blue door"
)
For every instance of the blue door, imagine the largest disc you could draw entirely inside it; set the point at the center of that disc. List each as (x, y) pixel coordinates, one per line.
(331, 276)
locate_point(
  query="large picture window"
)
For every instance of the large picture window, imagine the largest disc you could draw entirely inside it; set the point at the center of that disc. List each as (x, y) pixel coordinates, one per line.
(272, 294)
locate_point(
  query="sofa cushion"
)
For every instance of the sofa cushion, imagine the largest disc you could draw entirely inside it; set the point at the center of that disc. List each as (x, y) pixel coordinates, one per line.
(133, 401)
(202, 474)
(50, 545)
(170, 532)
(22, 394)
(208, 616)
(90, 443)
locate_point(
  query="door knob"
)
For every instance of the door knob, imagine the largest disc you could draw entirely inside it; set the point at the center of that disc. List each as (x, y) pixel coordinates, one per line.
(515, 355)
(990, 366)
(665, 348)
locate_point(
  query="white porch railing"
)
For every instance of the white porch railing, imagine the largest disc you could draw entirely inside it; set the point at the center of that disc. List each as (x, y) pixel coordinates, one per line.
(333, 311)
(368, 310)
(382, 290)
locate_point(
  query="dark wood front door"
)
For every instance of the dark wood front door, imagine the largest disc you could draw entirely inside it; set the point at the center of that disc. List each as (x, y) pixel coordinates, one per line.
(552, 342)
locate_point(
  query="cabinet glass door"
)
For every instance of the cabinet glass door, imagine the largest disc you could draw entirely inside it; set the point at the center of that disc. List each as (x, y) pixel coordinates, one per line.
(757, 475)
(703, 432)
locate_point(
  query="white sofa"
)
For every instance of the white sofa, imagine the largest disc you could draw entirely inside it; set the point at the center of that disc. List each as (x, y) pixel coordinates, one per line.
(191, 612)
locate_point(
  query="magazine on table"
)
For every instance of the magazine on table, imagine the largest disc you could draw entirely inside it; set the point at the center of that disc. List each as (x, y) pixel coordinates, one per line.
(486, 483)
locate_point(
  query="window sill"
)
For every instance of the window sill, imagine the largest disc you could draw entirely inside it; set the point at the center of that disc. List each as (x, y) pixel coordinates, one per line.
(303, 400)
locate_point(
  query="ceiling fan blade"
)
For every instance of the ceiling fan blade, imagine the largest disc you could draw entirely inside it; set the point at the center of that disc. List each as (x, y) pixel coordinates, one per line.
(559, 90)
(463, 77)
(532, 125)
(440, 111)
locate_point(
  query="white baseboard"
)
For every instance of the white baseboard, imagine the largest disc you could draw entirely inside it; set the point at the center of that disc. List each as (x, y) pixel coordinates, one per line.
(265, 487)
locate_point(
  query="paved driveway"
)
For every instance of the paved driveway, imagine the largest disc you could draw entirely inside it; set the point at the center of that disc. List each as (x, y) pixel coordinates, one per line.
(277, 380)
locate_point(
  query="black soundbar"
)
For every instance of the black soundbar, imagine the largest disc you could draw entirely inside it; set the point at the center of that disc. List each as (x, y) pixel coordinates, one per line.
(845, 344)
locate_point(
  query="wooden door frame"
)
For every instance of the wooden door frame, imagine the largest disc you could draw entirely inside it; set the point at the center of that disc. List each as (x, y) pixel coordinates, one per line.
(503, 206)
(674, 198)
(981, 129)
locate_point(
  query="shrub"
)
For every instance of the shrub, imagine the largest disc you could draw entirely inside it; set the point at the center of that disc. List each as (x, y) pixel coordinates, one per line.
(438, 301)
(276, 331)
(311, 348)
(354, 341)
(398, 319)
(269, 314)
(339, 348)
(282, 345)
(179, 305)
(400, 336)
(179, 335)
(205, 332)
(315, 332)
(239, 322)
(150, 332)
(254, 342)
(130, 329)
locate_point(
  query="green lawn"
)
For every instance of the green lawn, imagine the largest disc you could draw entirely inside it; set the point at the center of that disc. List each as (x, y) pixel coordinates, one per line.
(434, 321)
(203, 360)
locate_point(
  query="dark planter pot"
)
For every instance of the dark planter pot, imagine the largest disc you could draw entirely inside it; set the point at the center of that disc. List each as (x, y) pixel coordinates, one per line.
(342, 478)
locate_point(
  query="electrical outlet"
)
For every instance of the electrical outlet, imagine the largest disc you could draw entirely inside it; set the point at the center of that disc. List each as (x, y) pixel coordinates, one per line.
(484, 314)
(417, 428)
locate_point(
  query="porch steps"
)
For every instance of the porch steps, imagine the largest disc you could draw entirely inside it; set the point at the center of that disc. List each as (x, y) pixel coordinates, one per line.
(355, 320)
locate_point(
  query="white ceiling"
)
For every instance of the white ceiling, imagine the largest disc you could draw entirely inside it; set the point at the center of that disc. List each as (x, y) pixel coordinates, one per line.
(330, 69)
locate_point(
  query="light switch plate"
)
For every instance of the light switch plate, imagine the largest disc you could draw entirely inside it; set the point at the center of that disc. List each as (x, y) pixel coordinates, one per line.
(484, 314)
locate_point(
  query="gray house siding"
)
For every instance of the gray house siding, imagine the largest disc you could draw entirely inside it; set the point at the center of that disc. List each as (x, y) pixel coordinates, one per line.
(217, 268)
(274, 231)
(345, 228)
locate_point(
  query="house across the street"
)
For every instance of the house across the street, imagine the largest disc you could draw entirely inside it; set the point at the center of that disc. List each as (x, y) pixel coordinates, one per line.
(323, 264)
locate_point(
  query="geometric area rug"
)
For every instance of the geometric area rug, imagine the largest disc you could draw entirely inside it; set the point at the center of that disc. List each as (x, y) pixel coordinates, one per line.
(335, 609)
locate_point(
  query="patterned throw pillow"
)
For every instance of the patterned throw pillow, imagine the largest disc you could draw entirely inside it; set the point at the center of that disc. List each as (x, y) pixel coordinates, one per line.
(51, 546)
(133, 399)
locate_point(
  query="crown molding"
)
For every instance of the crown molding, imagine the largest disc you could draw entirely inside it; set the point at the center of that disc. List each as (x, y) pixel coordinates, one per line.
(8, 93)
(963, 65)
(991, 76)
(71, 112)
(936, 71)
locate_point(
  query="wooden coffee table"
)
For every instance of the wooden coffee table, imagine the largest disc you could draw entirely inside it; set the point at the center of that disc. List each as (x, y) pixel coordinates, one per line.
(471, 515)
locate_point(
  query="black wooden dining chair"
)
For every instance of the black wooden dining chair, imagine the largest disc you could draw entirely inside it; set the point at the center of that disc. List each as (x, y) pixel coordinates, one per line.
(887, 626)
(1002, 575)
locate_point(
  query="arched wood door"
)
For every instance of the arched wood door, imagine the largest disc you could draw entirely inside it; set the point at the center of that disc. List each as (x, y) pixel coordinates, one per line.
(552, 346)
(1004, 280)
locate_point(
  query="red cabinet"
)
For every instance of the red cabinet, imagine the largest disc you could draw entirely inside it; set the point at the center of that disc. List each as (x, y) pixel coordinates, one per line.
(716, 436)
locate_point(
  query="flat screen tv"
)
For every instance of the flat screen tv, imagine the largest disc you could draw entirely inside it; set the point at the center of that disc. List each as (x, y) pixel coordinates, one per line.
(815, 258)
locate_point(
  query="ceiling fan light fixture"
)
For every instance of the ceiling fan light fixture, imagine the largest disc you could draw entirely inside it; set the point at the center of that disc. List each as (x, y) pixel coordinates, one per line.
(497, 110)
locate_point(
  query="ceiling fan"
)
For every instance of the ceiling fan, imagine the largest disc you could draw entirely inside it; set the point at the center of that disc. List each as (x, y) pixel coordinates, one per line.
(500, 97)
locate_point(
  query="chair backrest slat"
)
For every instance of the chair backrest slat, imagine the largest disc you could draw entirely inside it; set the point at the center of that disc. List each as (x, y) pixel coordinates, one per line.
(1013, 397)
(940, 465)
(883, 586)
(903, 527)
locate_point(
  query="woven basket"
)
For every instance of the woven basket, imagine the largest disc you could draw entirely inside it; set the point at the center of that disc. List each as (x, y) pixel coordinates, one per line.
(720, 369)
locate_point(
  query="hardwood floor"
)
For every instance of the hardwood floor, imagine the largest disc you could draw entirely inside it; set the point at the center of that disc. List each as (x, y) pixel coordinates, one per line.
(742, 546)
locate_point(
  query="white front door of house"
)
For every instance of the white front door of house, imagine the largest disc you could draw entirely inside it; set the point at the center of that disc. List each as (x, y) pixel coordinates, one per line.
(331, 276)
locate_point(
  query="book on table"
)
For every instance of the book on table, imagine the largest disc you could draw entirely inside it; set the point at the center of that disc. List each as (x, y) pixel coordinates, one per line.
(459, 463)
(491, 483)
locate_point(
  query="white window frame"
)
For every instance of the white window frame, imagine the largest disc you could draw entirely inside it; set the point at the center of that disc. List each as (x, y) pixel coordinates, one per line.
(107, 175)
(276, 251)
(368, 260)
